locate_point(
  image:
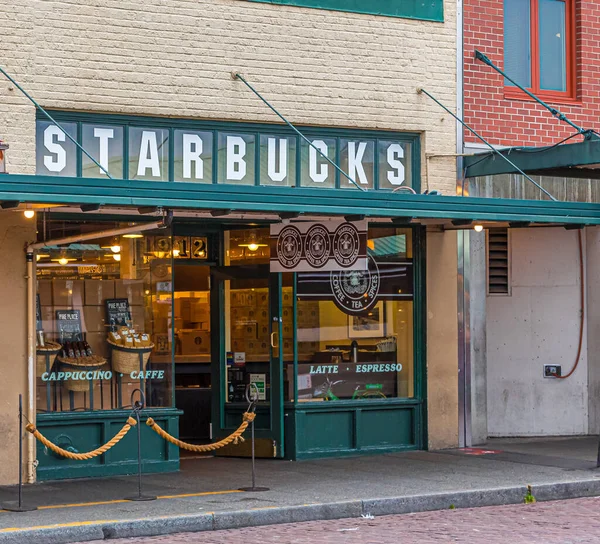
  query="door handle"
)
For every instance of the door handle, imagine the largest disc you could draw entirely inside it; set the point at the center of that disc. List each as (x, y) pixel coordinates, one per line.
(273, 337)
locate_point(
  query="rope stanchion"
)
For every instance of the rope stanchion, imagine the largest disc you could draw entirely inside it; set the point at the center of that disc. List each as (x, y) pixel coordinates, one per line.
(138, 406)
(82, 456)
(235, 437)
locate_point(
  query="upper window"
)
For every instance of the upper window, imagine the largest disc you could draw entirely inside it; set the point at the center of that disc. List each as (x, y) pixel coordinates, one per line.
(538, 46)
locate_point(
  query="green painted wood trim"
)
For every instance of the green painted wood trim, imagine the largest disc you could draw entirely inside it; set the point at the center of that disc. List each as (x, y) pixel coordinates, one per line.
(230, 126)
(536, 159)
(420, 332)
(79, 426)
(431, 10)
(45, 418)
(345, 405)
(254, 129)
(121, 469)
(345, 419)
(48, 189)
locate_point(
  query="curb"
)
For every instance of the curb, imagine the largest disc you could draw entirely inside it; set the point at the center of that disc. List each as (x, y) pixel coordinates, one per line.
(111, 529)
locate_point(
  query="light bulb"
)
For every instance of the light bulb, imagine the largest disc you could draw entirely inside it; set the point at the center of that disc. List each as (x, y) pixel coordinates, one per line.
(253, 246)
(115, 249)
(63, 261)
(117, 257)
(29, 214)
(478, 228)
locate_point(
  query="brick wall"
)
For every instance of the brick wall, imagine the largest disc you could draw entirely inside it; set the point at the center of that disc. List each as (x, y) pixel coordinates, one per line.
(523, 122)
(174, 58)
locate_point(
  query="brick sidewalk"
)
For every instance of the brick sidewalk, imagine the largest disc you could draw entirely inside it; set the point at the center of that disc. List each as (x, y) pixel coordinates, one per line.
(565, 522)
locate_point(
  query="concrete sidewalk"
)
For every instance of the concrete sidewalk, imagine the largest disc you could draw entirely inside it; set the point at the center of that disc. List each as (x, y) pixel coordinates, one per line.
(204, 496)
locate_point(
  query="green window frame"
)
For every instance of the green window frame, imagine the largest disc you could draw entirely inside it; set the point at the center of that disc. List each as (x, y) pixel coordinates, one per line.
(429, 10)
(380, 141)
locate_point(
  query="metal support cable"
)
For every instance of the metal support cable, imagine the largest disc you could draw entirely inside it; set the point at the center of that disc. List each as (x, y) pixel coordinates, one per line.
(556, 113)
(494, 150)
(32, 100)
(237, 75)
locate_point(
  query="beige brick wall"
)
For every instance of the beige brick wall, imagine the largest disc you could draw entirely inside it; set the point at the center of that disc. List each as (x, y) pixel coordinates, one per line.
(174, 58)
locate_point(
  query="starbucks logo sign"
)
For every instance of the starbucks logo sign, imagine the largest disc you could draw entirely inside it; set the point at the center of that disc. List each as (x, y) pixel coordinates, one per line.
(346, 245)
(355, 291)
(289, 246)
(317, 246)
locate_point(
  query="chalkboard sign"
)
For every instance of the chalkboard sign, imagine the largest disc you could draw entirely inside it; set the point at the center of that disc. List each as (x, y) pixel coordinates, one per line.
(118, 313)
(38, 314)
(69, 326)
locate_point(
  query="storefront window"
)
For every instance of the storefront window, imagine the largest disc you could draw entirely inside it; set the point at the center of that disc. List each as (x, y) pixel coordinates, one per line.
(349, 354)
(104, 319)
(105, 144)
(316, 171)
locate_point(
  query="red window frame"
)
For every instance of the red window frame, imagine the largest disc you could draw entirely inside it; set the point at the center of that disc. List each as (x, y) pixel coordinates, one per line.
(571, 69)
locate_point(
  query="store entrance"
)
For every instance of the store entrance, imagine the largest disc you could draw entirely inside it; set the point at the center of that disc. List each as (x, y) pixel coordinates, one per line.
(228, 321)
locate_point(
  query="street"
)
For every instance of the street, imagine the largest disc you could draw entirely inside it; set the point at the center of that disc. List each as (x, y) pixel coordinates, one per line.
(571, 521)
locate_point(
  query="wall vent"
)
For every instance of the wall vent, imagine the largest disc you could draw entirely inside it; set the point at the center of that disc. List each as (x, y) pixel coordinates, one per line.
(498, 270)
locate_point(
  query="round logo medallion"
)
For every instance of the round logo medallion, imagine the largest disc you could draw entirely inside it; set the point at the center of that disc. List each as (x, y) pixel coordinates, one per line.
(355, 291)
(317, 246)
(289, 246)
(346, 245)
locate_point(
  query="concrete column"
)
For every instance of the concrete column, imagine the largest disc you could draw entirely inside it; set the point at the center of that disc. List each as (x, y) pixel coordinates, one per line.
(442, 340)
(593, 326)
(477, 297)
(15, 232)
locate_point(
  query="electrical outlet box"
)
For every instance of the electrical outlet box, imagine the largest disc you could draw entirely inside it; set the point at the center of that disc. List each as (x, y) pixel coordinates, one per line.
(552, 371)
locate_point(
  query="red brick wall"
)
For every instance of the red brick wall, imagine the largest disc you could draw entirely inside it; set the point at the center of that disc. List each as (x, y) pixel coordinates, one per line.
(522, 122)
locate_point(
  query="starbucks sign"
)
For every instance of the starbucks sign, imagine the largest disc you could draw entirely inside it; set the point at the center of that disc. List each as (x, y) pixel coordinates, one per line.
(165, 150)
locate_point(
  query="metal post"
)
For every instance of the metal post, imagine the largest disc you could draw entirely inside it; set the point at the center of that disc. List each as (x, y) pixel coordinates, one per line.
(252, 398)
(18, 506)
(239, 76)
(54, 122)
(138, 406)
(492, 148)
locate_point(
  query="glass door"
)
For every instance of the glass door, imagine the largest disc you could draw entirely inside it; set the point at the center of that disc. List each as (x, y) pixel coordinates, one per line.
(247, 320)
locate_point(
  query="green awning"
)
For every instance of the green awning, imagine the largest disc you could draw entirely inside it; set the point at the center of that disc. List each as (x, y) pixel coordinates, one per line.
(579, 160)
(275, 200)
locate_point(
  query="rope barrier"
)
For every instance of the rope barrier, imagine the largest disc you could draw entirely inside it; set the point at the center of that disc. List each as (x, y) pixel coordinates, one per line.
(82, 456)
(234, 437)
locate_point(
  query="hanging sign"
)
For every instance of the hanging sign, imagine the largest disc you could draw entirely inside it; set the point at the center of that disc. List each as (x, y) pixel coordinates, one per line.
(118, 313)
(69, 326)
(323, 245)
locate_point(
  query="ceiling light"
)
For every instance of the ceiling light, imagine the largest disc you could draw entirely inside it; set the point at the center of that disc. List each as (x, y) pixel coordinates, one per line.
(29, 213)
(116, 248)
(478, 228)
(117, 257)
(252, 246)
(63, 261)
(133, 235)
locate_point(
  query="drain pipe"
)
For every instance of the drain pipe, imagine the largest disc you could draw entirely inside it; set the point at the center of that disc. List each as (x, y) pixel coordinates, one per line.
(31, 326)
(31, 317)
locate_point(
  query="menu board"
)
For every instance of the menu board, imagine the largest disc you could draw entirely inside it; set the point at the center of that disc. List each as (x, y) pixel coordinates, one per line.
(68, 324)
(118, 313)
